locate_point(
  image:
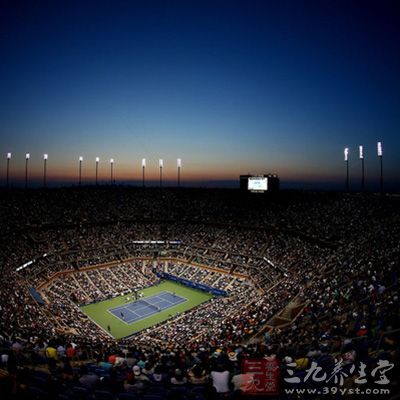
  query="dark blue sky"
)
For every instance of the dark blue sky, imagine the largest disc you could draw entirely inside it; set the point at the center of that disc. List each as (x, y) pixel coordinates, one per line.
(230, 87)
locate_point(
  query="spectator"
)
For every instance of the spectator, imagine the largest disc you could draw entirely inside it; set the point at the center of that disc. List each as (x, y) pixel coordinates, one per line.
(220, 378)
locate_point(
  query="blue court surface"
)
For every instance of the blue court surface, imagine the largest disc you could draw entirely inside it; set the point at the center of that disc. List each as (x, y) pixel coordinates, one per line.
(140, 309)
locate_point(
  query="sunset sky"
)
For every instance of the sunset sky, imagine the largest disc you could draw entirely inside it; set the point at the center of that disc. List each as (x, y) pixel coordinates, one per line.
(229, 86)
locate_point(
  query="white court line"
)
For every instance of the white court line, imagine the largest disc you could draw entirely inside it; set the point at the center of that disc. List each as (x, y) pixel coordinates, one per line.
(146, 315)
(127, 307)
(128, 322)
(140, 317)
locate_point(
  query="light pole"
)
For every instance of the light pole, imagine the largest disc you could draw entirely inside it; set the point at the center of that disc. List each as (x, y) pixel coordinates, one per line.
(179, 165)
(143, 168)
(80, 170)
(112, 172)
(161, 164)
(380, 155)
(27, 157)
(8, 169)
(45, 157)
(346, 160)
(97, 169)
(361, 155)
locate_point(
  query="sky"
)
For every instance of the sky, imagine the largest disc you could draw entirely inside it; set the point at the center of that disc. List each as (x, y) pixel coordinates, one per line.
(230, 87)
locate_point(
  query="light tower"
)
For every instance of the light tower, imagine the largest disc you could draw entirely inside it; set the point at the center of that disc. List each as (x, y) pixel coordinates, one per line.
(112, 171)
(161, 164)
(346, 160)
(27, 157)
(80, 170)
(45, 157)
(179, 166)
(97, 169)
(143, 168)
(8, 169)
(380, 155)
(361, 155)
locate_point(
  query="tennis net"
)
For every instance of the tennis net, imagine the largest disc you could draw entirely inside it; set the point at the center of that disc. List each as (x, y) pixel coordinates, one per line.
(150, 305)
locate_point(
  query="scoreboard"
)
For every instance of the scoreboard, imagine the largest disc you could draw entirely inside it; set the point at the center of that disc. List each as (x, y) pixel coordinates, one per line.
(259, 183)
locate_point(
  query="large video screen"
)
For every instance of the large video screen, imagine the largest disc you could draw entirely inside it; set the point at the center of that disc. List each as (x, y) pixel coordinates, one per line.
(257, 184)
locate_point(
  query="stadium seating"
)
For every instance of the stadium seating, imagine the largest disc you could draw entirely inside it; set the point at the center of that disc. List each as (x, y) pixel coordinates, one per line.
(310, 277)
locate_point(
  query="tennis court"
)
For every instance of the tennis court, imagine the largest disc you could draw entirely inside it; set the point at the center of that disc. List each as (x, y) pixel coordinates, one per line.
(140, 309)
(112, 323)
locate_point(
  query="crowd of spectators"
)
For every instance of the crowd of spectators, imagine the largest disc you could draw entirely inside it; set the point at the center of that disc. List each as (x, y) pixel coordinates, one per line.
(335, 255)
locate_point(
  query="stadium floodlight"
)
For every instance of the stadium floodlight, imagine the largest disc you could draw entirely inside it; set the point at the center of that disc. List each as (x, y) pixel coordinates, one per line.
(143, 168)
(27, 157)
(361, 155)
(346, 159)
(80, 170)
(179, 165)
(379, 149)
(346, 154)
(112, 172)
(97, 169)
(161, 164)
(380, 155)
(45, 157)
(8, 168)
